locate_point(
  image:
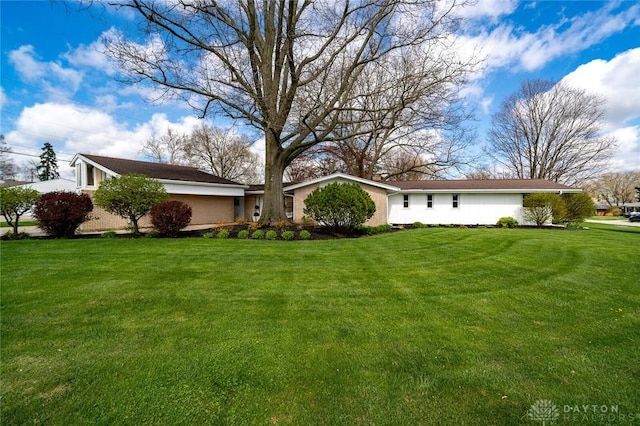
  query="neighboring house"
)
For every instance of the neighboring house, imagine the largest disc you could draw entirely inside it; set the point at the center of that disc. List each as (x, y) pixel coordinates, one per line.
(52, 185)
(629, 208)
(217, 200)
(212, 199)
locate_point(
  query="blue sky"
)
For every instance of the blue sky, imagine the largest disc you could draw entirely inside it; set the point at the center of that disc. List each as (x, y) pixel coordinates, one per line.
(57, 87)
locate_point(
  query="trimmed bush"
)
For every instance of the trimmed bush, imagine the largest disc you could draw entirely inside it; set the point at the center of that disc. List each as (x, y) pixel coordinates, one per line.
(271, 235)
(60, 213)
(209, 234)
(340, 206)
(169, 217)
(257, 234)
(419, 225)
(578, 207)
(109, 234)
(542, 207)
(223, 234)
(305, 235)
(288, 235)
(14, 202)
(507, 222)
(130, 196)
(244, 234)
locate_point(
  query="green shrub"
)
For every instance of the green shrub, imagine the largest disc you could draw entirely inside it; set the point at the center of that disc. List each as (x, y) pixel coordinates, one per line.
(507, 222)
(340, 206)
(14, 202)
(373, 230)
(223, 234)
(12, 236)
(542, 207)
(257, 234)
(578, 207)
(305, 235)
(244, 234)
(109, 234)
(288, 235)
(130, 196)
(151, 234)
(60, 213)
(169, 217)
(418, 225)
(271, 235)
(210, 234)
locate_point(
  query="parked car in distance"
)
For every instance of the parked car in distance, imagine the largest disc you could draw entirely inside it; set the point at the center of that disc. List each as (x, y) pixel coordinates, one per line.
(634, 217)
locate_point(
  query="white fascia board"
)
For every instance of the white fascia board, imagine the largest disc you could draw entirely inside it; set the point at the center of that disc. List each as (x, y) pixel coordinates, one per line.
(202, 188)
(93, 163)
(337, 176)
(486, 191)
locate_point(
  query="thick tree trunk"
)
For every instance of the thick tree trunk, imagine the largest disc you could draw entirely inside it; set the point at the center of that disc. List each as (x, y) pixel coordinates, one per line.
(273, 203)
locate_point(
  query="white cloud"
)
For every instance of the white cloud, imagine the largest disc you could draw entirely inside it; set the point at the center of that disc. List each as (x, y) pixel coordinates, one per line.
(506, 45)
(25, 61)
(617, 80)
(3, 98)
(627, 156)
(492, 9)
(93, 55)
(75, 129)
(51, 78)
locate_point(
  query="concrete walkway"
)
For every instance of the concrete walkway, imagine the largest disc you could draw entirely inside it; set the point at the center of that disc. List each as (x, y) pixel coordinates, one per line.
(617, 222)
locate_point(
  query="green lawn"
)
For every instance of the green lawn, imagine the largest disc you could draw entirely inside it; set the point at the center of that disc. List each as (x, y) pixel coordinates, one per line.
(431, 326)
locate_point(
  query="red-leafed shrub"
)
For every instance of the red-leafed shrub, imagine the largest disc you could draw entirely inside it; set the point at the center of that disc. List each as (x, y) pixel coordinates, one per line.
(169, 217)
(60, 213)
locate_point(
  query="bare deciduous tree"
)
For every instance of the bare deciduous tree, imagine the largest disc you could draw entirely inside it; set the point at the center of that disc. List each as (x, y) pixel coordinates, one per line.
(404, 118)
(286, 68)
(168, 148)
(224, 153)
(616, 189)
(550, 131)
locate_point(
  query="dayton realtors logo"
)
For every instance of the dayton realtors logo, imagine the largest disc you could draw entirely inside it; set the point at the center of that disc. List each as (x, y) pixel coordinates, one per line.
(545, 411)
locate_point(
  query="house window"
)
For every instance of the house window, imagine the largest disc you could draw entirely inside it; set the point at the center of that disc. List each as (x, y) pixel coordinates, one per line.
(90, 175)
(456, 201)
(429, 201)
(405, 201)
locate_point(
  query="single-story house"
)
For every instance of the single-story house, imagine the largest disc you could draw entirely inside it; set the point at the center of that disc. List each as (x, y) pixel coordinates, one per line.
(51, 185)
(217, 200)
(629, 208)
(437, 202)
(212, 199)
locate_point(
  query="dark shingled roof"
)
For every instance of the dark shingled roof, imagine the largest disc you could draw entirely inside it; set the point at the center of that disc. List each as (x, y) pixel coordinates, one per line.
(481, 184)
(157, 170)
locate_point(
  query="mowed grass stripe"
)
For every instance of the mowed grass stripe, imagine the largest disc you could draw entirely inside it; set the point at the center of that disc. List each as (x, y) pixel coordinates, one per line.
(432, 326)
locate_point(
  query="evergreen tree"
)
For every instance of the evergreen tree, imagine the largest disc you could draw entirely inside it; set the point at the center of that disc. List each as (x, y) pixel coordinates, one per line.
(48, 168)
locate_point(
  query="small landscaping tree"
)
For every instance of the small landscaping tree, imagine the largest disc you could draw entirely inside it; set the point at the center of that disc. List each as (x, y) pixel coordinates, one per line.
(542, 207)
(14, 202)
(60, 213)
(578, 207)
(130, 196)
(340, 206)
(169, 217)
